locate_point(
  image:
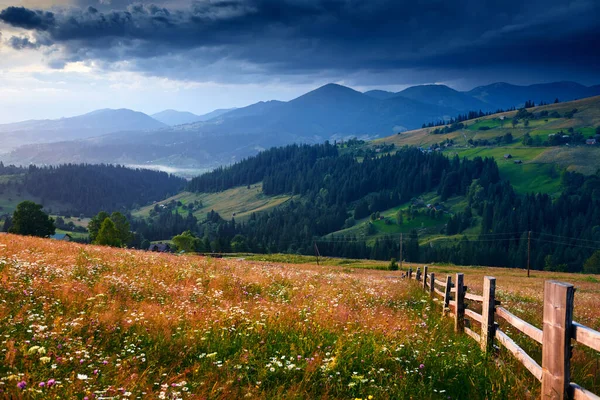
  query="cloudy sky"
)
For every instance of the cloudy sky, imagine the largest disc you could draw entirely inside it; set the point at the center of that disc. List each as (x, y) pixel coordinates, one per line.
(66, 57)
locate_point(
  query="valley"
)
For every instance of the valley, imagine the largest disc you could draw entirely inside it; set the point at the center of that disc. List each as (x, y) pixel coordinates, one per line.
(344, 196)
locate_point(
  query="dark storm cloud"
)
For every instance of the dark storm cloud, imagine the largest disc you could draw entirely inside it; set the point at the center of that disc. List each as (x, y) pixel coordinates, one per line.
(22, 17)
(20, 43)
(295, 37)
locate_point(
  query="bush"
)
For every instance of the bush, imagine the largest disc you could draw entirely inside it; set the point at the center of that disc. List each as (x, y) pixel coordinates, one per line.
(393, 265)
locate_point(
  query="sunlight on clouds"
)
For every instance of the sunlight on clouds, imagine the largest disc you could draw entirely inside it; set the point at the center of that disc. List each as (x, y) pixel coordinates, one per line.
(79, 67)
(35, 3)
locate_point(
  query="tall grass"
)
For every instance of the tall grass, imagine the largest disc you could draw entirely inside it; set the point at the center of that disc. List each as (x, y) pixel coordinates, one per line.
(93, 322)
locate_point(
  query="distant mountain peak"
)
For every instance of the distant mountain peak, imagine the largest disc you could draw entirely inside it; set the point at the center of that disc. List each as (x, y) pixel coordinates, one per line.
(330, 91)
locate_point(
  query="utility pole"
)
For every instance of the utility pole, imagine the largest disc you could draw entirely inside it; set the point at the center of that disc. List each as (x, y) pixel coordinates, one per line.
(316, 252)
(400, 251)
(528, 251)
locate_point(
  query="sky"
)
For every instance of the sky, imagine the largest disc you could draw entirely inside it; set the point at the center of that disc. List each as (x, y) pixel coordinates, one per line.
(66, 57)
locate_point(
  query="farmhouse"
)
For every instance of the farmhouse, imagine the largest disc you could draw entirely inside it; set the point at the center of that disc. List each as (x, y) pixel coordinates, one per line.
(65, 237)
(507, 156)
(590, 141)
(518, 162)
(160, 247)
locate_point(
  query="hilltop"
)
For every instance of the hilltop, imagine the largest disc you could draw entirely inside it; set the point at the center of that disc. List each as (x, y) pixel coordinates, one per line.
(541, 164)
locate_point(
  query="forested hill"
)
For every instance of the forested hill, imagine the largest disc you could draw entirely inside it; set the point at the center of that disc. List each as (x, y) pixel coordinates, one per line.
(335, 190)
(319, 170)
(88, 189)
(254, 169)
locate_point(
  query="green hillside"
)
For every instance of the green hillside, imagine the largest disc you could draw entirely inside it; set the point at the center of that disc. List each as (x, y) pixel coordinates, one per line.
(11, 196)
(239, 203)
(540, 166)
(415, 215)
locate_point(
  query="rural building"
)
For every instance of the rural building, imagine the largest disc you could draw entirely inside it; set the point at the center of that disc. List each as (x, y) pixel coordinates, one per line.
(590, 141)
(507, 156)
(502, 117)
(518, 162)
(65, 237)
(160, 247)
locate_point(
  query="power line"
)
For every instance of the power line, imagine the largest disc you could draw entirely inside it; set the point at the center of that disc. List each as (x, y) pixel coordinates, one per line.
(483, 238)
(570, 238)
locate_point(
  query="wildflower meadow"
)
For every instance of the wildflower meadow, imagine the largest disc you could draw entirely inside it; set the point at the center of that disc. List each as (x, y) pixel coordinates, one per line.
(90, 322)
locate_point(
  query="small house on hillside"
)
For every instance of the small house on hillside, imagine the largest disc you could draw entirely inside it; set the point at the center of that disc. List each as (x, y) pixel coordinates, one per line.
(507, 156)
(518, 162)
(160, 247)
(65, 237)
(502, 117)
(590, 141)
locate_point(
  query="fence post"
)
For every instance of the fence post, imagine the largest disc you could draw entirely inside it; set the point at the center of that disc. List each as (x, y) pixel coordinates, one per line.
(447, 294)
(556, 349)
(487, 314)
(425, 277)
(410, 273)
(418, 274)
(459, 314)
(432, 284)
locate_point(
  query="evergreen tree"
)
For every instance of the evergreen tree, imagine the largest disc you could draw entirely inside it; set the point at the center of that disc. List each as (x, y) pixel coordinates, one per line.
(108, 235)
(121, 225)
(95, 224)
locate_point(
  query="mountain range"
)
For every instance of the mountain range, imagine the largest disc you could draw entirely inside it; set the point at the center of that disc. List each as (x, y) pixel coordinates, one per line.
(180, 139)
(174, 117)
(95, 123)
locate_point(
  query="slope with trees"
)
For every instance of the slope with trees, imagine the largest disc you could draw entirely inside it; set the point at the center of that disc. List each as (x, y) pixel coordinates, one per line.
(80, 189)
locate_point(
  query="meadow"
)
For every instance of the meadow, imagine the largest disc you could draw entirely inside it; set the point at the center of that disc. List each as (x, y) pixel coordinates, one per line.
(239, 202)
(93, 322)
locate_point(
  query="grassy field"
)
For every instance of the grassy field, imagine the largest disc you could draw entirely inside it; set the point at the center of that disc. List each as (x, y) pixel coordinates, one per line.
(10, 198)
(422, 223)
(240, 201)
(533, 175)
(88, 321)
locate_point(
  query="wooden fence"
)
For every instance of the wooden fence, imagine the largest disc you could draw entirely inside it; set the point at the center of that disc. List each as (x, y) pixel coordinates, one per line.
(558, 329)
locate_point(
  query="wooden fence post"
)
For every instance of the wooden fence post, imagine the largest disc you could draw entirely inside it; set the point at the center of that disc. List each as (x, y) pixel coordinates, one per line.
(556, 348)
(447, 294)
(432, 284)
(418, 274)
(410, 273)
(459, 312)
(425, 277)
(487, 314)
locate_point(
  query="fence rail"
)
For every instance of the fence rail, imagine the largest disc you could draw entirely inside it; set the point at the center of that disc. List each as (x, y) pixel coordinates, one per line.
(556, 335)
